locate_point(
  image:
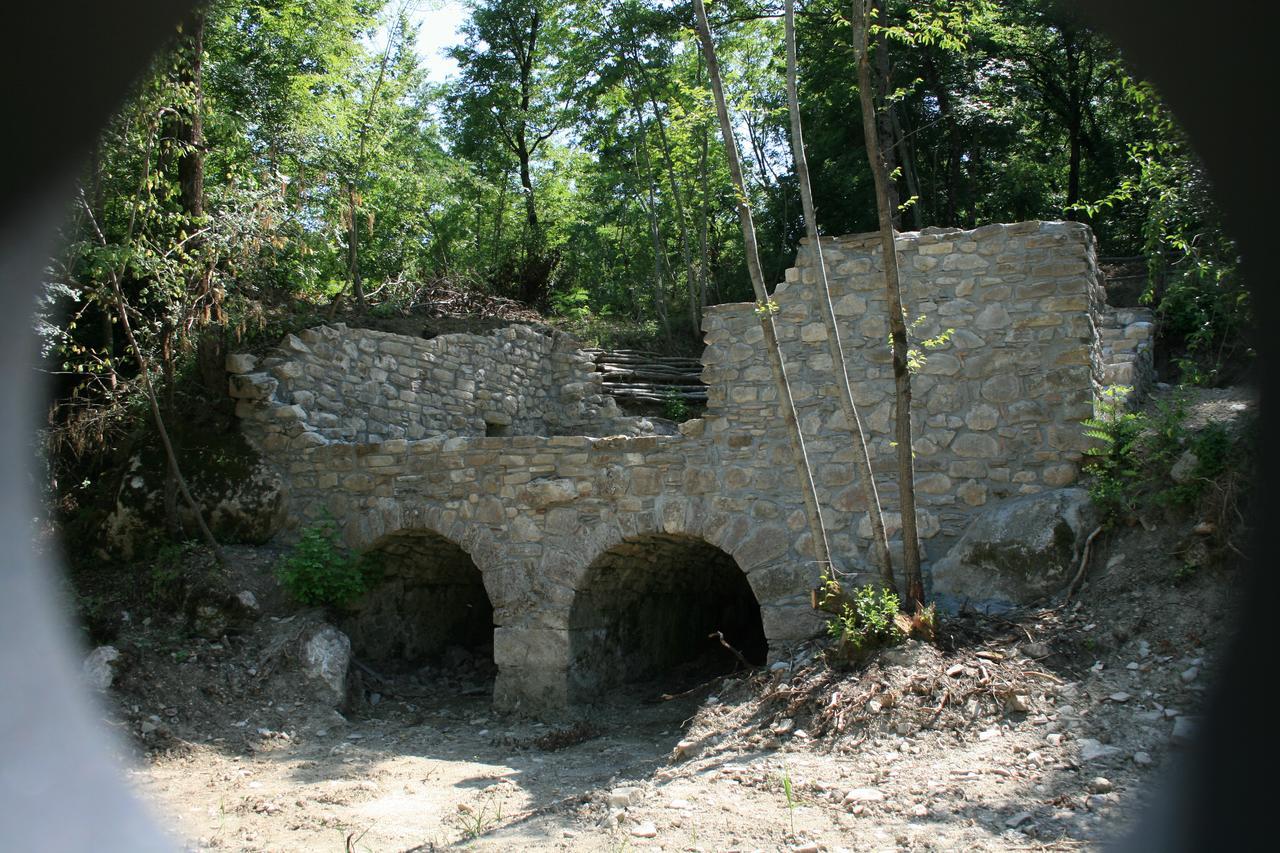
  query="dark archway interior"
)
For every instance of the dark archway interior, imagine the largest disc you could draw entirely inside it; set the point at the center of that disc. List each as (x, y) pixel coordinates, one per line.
(429, 607)
(646, 608)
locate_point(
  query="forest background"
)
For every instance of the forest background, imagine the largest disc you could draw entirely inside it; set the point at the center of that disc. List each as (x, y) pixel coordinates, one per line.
(285, 161)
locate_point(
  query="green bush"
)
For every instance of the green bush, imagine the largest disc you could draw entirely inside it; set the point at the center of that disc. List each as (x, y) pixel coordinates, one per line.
(1136, 452)
(1113, 461)
(319, 571)
(865, 620)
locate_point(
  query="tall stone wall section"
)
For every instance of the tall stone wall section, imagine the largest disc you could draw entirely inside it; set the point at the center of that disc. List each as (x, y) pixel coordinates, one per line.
(996, 408)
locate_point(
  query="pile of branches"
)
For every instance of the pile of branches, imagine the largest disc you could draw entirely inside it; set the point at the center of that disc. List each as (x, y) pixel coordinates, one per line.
(649, 376)
(446, 298)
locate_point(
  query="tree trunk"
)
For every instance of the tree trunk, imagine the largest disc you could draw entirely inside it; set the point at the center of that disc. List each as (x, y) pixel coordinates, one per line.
(897, 326)
(661, 272)
(909, 173)
(861, 456)
(884, 118)
(353, 248)
(362, 147)
(686, 252)
(809, 493)
(951, 211)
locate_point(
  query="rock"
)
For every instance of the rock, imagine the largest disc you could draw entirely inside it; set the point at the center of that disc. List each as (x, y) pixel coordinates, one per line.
(644, 830)
(1018, 703)
(862, 795)
(248, 600)
(241, 494)
(1036, 650)
(1184, 729)
(811, 847)
(683, 749)
(1019, 819)
(782, 727)
(1119, 697)
(1189, 674)
(99, 669)
(906, 654)
(1142, 759)
(1018, 550)
(326, 662)
(1185, 468)
(546, 492)
(1100, 785)
(620, 798)
(1205, 528)
(1092, 750)
(241, 362)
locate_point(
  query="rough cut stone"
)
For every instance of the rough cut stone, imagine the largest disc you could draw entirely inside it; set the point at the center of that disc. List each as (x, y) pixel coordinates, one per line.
(326, 661)
(99, 670)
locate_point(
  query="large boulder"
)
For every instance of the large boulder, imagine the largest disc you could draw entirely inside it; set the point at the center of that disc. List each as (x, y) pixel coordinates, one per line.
(1016, 552)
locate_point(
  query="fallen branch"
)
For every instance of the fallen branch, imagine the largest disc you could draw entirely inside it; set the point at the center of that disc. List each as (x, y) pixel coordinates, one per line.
(1084, 561)
(719, 636)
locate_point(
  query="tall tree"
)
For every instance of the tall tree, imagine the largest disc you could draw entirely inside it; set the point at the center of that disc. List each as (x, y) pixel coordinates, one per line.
(861, 457)
(764, 305)
(897, 324)
(519, 78)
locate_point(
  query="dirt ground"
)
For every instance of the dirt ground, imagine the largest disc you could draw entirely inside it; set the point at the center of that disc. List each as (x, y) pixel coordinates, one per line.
(1040, 729)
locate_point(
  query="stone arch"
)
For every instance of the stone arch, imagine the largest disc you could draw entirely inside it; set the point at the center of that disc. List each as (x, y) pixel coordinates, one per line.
(433, 599)
(762, 551)
(643, 609)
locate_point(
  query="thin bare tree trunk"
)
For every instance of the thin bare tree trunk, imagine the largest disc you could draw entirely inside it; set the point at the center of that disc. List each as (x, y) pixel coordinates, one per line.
(821, 549)
(861, 457)
(897, 325)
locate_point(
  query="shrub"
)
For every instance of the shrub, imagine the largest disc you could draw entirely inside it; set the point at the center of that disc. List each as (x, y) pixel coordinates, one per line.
(864, 620)
(319, 571)
(1113, 461)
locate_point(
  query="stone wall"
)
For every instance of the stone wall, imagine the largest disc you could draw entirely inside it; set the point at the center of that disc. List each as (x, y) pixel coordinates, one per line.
(996, 409)
(361, 385)
(400, 437)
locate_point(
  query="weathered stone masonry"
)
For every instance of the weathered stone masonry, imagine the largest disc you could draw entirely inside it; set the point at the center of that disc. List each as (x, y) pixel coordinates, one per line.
(504, 445)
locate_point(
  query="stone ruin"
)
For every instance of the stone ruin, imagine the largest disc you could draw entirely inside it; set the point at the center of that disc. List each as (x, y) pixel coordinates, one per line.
(514, 503)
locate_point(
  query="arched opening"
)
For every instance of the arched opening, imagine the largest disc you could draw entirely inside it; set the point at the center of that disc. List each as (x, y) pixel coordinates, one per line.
(646, 610)
(428, 609)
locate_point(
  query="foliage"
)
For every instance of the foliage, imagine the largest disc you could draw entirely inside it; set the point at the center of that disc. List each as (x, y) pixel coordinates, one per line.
(319, 571)
(1113, 461)
(1135, 453)
(572, 161)
(165, 578)
(865, 619)
(475, 822)
(674, 406)
(918, 356)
